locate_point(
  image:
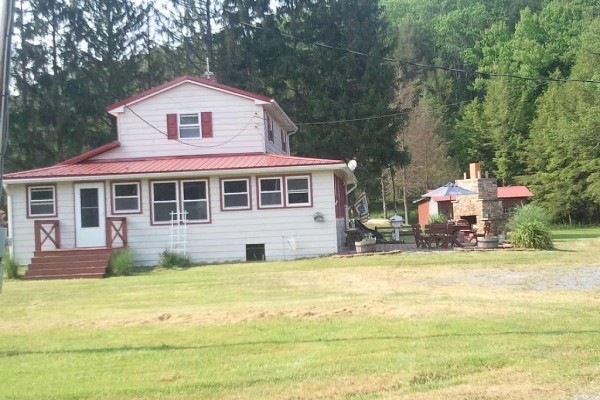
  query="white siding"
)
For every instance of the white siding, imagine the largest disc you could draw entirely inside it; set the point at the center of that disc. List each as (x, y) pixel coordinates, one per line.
(275, 147)
(237, 124)
(23, 227)
(224, 239)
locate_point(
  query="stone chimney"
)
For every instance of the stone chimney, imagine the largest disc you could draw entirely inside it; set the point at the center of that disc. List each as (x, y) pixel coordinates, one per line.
(482, 206)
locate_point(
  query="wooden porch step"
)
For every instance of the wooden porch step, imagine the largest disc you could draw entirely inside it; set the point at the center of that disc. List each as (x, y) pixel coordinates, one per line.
(79, 276)
(67, 272)
(73, 252)
(69, 264)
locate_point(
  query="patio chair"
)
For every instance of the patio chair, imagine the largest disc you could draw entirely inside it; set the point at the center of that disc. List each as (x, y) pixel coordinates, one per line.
(421, 240)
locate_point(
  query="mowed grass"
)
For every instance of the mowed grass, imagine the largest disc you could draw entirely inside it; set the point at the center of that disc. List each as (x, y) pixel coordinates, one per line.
(440, 325)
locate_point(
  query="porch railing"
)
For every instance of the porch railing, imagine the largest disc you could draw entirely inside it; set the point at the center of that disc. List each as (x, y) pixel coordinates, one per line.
(46, 230)
(116, 232)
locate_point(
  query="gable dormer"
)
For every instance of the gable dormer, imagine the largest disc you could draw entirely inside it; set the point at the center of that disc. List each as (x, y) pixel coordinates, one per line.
(195, 116)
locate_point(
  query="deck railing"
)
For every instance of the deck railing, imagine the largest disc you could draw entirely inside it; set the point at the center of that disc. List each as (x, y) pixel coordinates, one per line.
(46, 230)
(116, 231)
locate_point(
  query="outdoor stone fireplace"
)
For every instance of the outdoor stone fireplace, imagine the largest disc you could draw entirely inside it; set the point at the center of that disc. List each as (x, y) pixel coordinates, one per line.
(482, 206)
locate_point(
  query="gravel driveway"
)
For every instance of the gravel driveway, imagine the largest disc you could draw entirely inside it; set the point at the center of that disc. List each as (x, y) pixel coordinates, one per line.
(579, 278)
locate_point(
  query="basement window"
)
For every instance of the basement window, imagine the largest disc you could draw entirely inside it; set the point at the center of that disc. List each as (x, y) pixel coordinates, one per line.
(255, 252)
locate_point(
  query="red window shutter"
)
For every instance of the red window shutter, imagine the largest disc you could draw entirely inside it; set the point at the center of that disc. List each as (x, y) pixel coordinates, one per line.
(207, 127)
(172, 127)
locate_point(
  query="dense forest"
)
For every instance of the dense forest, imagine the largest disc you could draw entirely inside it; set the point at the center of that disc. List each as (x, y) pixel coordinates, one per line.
(413, 90)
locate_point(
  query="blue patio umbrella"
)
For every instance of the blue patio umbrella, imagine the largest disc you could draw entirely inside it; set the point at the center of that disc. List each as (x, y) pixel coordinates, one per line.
(449, 189)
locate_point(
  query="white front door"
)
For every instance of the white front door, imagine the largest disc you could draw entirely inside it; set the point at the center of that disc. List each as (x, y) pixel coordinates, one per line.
(90, 227)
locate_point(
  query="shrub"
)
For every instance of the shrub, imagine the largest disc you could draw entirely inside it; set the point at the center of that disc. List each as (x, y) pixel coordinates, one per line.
(120, 263)
(529, 228)
(438, 219)
(527, 213)
(170, 259)
(11, 267)
(531, 235)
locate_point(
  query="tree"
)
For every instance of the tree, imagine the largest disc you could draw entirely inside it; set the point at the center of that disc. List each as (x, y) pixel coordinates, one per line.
(564, 149)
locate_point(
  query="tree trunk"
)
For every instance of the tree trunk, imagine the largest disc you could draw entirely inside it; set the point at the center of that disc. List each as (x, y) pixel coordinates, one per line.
(383, 197)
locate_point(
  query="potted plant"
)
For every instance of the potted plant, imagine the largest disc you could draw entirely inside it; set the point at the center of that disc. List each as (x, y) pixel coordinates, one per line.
(366, 245)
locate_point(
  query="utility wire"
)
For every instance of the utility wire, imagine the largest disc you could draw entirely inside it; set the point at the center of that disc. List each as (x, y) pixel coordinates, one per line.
(372, 117)
(424, 66)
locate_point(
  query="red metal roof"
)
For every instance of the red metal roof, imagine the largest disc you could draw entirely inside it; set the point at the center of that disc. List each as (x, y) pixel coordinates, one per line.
(168, 165)
(505, 192)
(182, 79)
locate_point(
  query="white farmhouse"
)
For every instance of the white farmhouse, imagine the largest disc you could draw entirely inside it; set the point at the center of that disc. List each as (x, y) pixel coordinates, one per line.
(198, 167)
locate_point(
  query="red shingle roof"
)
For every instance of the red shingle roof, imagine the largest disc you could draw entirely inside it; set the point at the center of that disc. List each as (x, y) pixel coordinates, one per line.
(168, 165)
(506, 192)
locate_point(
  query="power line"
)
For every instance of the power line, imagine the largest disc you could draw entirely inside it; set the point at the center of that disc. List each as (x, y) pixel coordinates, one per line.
(425, 66)
(372, 117)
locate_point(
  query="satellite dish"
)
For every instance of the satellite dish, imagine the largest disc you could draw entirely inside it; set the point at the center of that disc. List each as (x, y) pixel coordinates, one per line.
(352, 165)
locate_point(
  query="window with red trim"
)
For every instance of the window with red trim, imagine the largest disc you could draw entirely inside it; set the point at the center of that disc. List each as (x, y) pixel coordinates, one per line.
(42, 201)
(235, 194)
(297, 191)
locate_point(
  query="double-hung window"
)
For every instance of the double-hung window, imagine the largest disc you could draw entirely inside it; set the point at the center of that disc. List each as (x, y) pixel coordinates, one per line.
(126, 197)
(298, 191)
(194, 196)
(235, 194)
(270, 192)
(189, 126)
(189, 197)
(164, 201)
(42, 201)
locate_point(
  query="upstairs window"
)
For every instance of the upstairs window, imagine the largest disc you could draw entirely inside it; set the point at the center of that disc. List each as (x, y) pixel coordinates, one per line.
(270, 192)
(189, 126)
(298, 191)
(126, 197)
(235, 194)
(283, 141)
(42, 201)
(270, 133)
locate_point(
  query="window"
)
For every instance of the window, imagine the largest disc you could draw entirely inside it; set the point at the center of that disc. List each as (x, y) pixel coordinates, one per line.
(509, 210)
(283, 141)
(270, 192)
(194, 200)
(255, 252)
(126, 197)
(235, 194)
(298, 191)
(194, 195)
(189, 126)
(270, 132)
(42, 201)
(164, 201)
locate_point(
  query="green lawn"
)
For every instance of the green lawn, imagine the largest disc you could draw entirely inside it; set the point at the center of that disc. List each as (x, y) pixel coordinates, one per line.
(465, 325)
